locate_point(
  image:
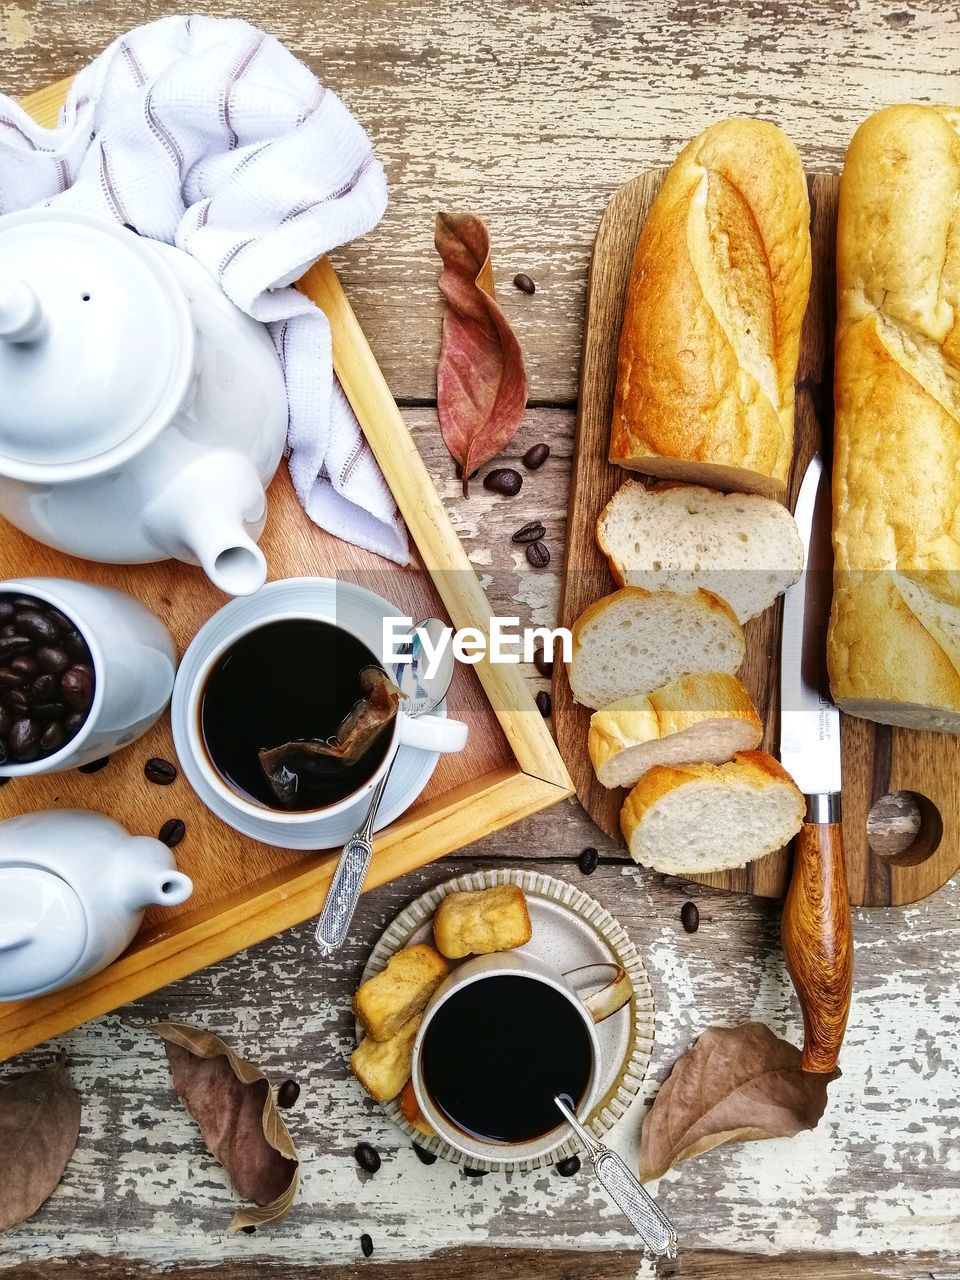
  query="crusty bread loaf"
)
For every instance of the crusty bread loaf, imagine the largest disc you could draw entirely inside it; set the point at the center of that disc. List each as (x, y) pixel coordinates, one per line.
(494, 919)
(385, 1002)
(383, 1066)
(711, 332)
(743, 548)
(707, 717)
(635, 641)
(895, 625)
(707, 817)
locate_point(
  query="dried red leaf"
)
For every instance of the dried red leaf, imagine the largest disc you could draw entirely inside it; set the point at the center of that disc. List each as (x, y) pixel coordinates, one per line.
(481, 379)
(737, 1084)
(233, 1104)
(39, 1127)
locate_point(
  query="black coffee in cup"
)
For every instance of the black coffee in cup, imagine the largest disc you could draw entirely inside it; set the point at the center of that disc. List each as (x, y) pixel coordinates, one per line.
(286, 681)
(498, 1051)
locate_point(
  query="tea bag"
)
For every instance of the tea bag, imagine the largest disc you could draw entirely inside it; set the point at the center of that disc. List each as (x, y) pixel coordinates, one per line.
(289, 767)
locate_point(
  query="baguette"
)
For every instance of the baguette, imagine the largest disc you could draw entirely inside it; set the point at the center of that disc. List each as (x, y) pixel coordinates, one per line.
(715, 305)
(893, 647)
(706, 817)
(635, 641)
(706, 717)
(743, 548)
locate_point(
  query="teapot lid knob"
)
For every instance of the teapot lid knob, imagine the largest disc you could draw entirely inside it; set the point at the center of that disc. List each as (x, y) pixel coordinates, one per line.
(21, 316)
(43, 930)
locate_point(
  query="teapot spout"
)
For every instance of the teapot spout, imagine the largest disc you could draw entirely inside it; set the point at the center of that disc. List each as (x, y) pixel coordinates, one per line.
(154, 882)
(204, 516)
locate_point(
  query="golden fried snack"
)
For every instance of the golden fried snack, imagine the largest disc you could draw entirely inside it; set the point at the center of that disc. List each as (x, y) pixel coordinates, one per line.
(477, 923)
(383, 1066)
(412, 1113)
(386, 1002)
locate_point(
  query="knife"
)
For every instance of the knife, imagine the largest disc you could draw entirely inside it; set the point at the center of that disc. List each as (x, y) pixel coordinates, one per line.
(816, 927)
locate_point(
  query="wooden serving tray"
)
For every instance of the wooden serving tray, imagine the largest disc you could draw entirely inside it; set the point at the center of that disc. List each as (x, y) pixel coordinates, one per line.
(246, 891)
(877, 759)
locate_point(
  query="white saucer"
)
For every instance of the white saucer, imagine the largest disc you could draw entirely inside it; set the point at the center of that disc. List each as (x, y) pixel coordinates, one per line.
(353, 607)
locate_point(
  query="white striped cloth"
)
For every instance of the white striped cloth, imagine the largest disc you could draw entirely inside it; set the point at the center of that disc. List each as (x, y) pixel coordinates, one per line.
(208, 134)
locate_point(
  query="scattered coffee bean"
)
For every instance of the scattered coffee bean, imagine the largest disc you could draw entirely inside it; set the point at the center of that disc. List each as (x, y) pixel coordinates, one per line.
(690, 917)
(289, 1091)
(568, 1166)
(503, 480)
(523, 282)
(159, 771)
(366, 1245)
(544, 704)
(5, 779)
(172, 832)
(536, 456)
(470, 1172)
(543, 664)
(367, 1157)
(249, 1230)
(424, 1156)
(76, 685)
(538, 554)
(588, 861)
(533, 531)
(94, 766)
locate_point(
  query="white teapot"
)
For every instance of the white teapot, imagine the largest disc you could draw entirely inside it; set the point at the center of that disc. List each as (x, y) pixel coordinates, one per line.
(73, 888)
(142, 414)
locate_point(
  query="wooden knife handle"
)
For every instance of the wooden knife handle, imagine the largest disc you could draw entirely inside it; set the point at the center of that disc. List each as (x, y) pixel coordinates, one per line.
(818, 941)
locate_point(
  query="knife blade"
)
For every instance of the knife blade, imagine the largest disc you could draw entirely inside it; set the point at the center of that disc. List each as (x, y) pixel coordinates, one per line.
(816, 930)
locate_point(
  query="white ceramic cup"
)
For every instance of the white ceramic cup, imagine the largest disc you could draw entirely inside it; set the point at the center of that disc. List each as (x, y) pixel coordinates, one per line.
(592, 1009)
(428, 733)
(134, 663)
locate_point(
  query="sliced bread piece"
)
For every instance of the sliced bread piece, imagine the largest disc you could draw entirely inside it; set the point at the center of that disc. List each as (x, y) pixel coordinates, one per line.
(744, 548)
(635, 641)
(707, 817)
(704, 717)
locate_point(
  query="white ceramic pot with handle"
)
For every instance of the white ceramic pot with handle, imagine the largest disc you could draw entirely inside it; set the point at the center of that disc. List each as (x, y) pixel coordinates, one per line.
(73, 889)
(142, 413)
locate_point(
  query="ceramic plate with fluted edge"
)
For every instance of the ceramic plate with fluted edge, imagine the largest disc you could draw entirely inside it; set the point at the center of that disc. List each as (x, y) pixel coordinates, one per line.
(352, 607)
(569, 929)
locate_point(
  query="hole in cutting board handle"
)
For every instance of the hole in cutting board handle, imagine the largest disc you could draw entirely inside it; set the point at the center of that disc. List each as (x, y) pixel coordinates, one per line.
(904, 828)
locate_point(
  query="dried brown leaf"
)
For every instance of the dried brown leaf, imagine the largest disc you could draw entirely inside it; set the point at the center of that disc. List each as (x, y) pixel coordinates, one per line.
(233, 1104)
(39, 1127)
(737, 1084)
(481, 379)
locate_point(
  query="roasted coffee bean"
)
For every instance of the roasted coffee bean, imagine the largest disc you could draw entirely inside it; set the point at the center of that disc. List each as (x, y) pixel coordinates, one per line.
(45, 687)
(3, 760)
(52, 658)
(588, 861)
(94, 766)
(74, 723)
(14, 644)
(538, 554)
(172, 832)
(6, 720)
(470, 1172)
(36, 625)
(536, 456)
(523, 282)
(690, 917)
(367, 1157)
(6, 611)
(289, 1091)
(52, 738)
(159, 771)
(544, 703)
(366, 1245)
(424, 1156)
(23, 741)
(533, 531)
(48, 711)
(10, 679)
(24, 602)
(249, 1230)
(7, 630)
(76, 685)
(17, 699)
(543, 664)
(503, 480)
(25, 666)
(75, 645)
(568, 1167)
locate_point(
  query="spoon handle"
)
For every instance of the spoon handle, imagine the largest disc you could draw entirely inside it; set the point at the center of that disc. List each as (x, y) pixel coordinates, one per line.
(347, 883)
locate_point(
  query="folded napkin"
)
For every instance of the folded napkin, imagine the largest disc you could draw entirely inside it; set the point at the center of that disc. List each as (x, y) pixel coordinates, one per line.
(208, 134)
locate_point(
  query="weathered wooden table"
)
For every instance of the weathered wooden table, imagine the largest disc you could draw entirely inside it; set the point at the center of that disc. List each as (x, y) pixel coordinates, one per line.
(532, 112)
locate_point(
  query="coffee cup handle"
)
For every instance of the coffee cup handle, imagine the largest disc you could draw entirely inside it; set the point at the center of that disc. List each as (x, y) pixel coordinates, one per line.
(609, 999)
(432, 733)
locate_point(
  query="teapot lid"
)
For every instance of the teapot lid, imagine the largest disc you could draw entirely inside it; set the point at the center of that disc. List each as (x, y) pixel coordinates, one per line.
(96, 344)
(43, 930)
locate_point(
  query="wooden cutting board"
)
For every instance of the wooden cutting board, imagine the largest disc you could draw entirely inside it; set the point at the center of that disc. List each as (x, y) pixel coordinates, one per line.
(877, 760)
